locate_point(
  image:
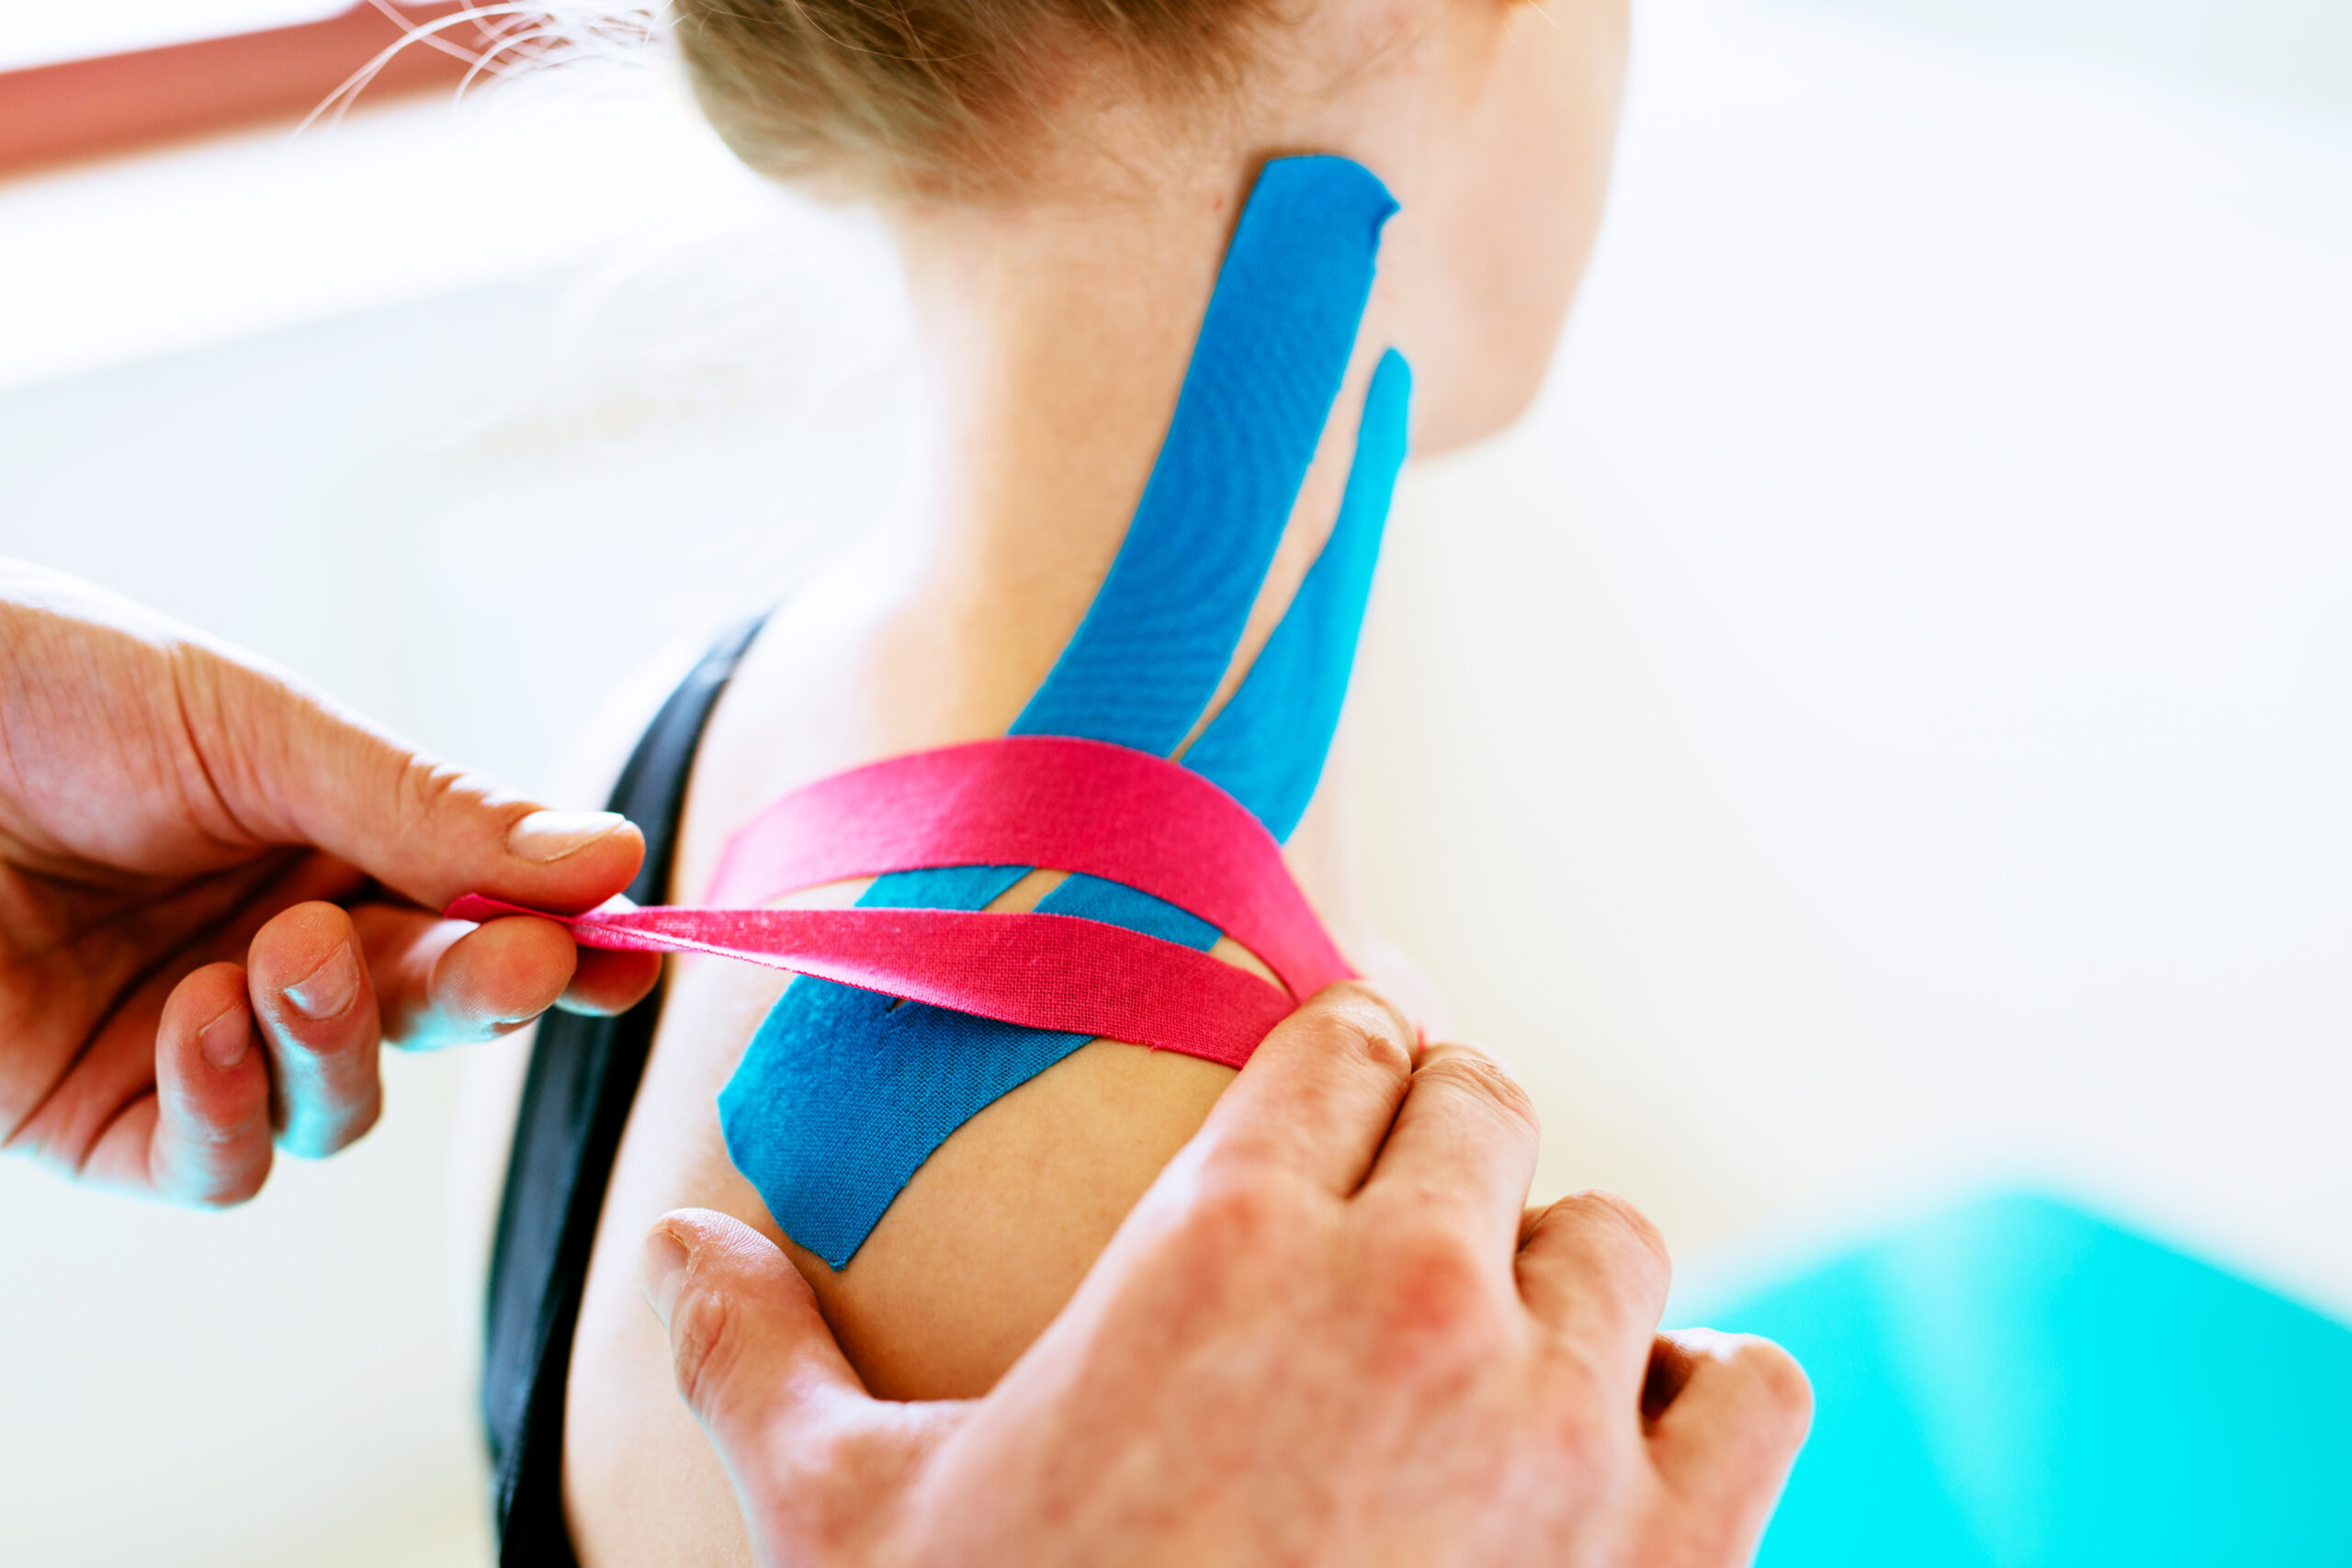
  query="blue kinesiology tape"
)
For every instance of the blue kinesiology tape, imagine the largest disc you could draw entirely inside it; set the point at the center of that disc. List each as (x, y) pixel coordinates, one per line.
(842, 1094)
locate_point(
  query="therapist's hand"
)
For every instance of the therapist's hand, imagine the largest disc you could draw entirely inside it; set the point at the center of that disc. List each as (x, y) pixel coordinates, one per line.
(1328, 1334)
(217, 895)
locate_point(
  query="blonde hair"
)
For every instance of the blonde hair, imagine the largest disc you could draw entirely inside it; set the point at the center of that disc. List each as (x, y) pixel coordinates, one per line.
(932, 94)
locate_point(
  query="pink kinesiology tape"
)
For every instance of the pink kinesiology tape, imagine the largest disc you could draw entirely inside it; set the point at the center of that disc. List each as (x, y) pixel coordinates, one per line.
(1073, 806)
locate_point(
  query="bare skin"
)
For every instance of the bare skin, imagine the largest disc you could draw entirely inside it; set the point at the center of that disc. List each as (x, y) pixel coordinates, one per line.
(1053, 332)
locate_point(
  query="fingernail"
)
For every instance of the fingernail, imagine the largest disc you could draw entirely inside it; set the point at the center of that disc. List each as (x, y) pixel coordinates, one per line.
(545, 836)
(225, 1040)
(665, 1270)
(327, 990)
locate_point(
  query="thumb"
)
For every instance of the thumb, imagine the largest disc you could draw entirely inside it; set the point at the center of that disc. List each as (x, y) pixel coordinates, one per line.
(293, 768)
(754, 1361)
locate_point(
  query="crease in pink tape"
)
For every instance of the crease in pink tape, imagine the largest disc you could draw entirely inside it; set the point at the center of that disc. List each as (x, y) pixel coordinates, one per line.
(1074, 805)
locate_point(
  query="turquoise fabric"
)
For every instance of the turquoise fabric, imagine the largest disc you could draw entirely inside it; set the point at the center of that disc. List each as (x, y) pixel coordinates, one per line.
(2014, 1384)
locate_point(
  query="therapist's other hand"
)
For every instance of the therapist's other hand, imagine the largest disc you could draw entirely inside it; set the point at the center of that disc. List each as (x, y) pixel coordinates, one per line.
(1328, 1334)
(217, 897)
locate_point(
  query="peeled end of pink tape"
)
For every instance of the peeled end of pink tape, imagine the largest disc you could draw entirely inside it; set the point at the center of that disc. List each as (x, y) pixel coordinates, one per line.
(474, 907)
(1051, 972)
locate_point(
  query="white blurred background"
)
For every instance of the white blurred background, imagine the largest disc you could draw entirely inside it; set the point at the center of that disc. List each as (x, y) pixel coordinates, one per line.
(1877, 729)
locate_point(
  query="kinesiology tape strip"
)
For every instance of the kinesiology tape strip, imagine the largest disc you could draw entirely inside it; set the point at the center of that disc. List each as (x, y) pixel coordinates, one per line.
(1077, 806)
(1050, 971)
(925, 1010)
(1103, 809)
(842, 1095)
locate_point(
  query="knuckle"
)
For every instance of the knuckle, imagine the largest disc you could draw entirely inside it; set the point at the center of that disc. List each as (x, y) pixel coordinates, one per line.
(1576, 1409)
(1361, 1027)
(424, 790)
(702, 1337)
(1584, 1444)
(323, 1053)
(1606, 1211)
(206, 1168)
(1439, 1300)
(1480, 1076)
(1239, 1218)
(1232, 1241)
(421, 785)
(324, 1102)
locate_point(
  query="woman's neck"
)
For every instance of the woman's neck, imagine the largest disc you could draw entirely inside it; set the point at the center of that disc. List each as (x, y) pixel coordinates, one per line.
(1052, 353)
(1054, 343)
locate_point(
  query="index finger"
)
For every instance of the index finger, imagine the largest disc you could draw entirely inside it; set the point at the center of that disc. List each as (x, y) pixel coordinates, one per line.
(1317, 1097)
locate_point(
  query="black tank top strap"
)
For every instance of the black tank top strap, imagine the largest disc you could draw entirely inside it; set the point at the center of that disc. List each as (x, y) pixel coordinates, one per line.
(583, 1076)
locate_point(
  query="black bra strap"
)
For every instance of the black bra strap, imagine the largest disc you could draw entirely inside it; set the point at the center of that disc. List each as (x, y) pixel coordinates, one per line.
(584, 1076)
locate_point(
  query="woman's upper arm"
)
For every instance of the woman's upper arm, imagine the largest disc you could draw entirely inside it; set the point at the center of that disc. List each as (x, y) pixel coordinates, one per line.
(482, 1133)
